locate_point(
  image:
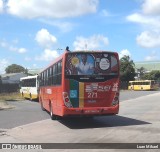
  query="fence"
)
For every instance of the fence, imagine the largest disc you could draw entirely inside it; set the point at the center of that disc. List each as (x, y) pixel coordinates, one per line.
(124, 85)
(8, 88)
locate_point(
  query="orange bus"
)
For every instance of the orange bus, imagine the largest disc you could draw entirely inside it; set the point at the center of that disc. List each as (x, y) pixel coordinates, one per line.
(81, 83)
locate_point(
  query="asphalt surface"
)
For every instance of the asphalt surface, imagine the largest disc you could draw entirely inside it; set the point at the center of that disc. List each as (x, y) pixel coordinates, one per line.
(127, 95)
(26, 112)
(137, 122)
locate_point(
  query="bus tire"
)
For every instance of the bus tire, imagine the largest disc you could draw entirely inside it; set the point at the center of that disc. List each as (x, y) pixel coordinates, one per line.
(30, 97)
(22, 95)
(53, 117)
(43, 109)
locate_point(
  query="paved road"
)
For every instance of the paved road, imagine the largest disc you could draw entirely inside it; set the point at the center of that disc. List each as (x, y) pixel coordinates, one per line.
(137, 122)
(127, 95)
(27, 112)
(24, 112)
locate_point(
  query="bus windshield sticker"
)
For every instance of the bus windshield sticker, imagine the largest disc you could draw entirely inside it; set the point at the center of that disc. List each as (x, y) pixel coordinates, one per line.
(90, 64)
(104, 64)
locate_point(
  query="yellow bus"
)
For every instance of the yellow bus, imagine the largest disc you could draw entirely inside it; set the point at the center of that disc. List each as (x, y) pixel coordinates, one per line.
(142, 85)
(29, 87)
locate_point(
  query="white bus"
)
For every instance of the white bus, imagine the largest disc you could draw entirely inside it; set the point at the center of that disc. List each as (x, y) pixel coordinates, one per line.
(29, 87)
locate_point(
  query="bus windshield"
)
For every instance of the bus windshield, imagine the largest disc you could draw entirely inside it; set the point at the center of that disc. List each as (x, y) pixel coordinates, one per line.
(91, 64)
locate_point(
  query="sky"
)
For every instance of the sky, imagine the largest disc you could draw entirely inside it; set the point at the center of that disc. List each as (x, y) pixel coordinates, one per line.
(35, 32)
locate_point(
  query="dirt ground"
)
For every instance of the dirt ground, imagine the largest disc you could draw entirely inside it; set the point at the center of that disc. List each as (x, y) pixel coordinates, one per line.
(5, 105)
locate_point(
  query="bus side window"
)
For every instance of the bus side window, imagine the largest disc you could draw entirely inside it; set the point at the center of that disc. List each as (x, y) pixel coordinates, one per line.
(59, 73)
(53, 67)
(41, 80)
(55, 73)
(44, 78)
(50, 76)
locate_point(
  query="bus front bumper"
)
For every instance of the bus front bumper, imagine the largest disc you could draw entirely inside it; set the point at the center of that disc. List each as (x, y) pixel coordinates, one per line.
(95, 111)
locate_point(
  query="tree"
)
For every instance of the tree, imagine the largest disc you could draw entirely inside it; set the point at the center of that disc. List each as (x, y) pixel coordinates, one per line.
(141, 72)
(0, 80)
(153, 75)
(127, 69)
(14, 68)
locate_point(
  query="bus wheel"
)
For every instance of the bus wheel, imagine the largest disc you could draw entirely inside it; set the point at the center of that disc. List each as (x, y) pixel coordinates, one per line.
(22, 95)
(30, 97)
(53, 117)
(42, 105)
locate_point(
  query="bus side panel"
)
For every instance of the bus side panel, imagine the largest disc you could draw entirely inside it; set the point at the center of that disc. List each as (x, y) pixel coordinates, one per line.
(52, 96)
(56, 100)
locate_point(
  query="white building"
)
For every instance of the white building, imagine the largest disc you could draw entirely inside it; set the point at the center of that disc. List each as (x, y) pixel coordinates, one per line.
(12, 78)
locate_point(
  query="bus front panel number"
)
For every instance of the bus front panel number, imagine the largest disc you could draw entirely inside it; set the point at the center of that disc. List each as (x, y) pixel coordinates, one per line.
(92, 94)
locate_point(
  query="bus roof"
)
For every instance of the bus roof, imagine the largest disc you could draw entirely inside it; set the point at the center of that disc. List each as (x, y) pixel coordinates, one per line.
(141, 80)
(78, 51)
(29, 77)
(92, 51)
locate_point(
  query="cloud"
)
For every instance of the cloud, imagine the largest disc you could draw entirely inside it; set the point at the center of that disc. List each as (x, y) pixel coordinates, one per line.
(62, 26)
(22, 50)
(148, 21)
(149, 39)
(10, 47)
(4, 63)
(34, 65)
(47, 55)
(1, 6)
(123, 53)
(27, 59)
(149, 18)
(45, 39)
(91, 43)
(105, 13)
(3, 44)
(51, 8)
(152, 57)
(151, 7)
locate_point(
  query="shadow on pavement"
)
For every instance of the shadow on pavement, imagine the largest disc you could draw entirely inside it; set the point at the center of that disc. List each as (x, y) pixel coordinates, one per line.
(13, 100)
(100, 122)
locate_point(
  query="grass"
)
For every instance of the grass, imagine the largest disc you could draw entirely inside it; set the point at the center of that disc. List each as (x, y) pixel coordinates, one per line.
(10, 97)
